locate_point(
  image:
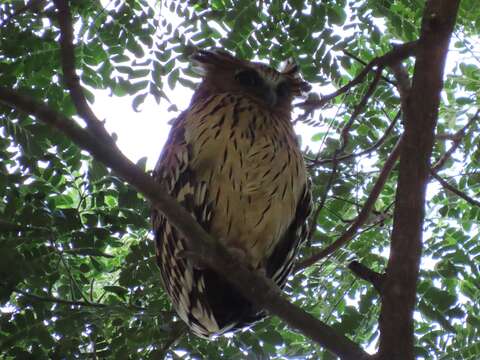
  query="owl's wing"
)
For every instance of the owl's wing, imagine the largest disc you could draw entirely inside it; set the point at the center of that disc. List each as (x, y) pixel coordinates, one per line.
(203, 299)
(282, 260)
(280, 264)
(181, 281)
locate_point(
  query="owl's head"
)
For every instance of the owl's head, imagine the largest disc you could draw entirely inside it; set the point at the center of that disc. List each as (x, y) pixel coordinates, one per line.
(224, 73)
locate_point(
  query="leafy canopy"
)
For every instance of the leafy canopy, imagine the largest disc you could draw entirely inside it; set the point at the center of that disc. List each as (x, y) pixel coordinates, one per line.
(78, 276)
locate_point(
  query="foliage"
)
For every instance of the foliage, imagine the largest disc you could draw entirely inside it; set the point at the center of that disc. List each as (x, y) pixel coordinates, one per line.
(77, 271)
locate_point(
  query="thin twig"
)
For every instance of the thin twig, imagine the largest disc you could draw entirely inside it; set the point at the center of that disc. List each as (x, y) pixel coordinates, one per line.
(340, 297)
(359, 109)
(73, 281)
(368, 150)
(323, 199)
(356, 58)
(345, 138)
(454, 190)
(469, 49)
(179, 329)
(362, 216)
(458, 136)
(398, 53)
(59, 300)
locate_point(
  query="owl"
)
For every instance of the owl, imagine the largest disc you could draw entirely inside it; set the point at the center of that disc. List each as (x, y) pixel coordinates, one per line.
(232, 160)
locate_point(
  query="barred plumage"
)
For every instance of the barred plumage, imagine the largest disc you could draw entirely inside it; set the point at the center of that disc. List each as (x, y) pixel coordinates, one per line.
(233, 161)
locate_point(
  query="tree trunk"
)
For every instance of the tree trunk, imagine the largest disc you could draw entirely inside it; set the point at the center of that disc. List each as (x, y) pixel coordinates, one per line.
(420, 115)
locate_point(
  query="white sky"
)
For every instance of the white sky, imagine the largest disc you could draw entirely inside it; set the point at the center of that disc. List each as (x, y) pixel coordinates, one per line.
(139, 133)
(144, 133)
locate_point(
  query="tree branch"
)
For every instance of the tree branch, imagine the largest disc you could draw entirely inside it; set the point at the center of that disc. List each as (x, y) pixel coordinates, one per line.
(420, 118)
(178, 330)
(373, 147)
(364, 63)
(454, 190)
(344, 137)
(398, 53)
(254, 286)
(457, 139)
(70, 77)
(363, 272)
(362, 216)
(59, 300)
(359, 108)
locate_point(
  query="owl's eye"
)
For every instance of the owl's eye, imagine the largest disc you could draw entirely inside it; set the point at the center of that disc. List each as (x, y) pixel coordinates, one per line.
(283, 89)
(248, 78)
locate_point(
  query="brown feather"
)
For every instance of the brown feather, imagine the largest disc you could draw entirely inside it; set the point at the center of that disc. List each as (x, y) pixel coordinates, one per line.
(232, 161)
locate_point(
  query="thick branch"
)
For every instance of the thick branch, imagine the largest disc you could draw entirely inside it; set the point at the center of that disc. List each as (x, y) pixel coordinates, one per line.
(255, 287)
(421, 112)
(362, 216)
(454, 190)
(70, 77)
(367, 274)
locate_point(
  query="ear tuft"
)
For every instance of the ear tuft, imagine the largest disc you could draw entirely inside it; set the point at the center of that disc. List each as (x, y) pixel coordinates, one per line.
(204, 61)
(289, 67)
(292, 70)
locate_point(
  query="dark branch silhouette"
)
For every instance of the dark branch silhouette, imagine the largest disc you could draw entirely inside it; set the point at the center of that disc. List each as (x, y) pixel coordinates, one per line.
(454, 190)
(398, 53)
(370, 149)
(362, 216)
(57, 300)
(457, 139)
(367, 274)
(70, 77)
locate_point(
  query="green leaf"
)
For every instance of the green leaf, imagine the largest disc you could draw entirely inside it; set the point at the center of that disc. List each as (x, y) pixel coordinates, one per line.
(120, 291)
(138, 100)
(336, 15)
(135, 47)
(173, 78)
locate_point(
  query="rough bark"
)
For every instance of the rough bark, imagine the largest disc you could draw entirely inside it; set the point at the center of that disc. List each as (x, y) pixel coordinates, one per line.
(399, 290)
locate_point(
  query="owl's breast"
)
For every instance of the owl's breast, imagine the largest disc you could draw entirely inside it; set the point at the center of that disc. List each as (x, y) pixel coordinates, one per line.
(254, 172)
